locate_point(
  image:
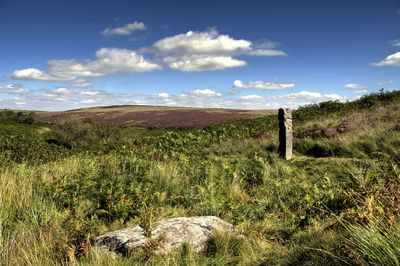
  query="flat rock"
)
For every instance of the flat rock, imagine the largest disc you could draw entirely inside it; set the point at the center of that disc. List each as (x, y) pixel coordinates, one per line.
(167, 235)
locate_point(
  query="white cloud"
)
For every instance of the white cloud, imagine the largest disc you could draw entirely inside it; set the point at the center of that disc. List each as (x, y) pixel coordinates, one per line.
(193, 98)
(72, 96)
(209, 42)
(124, 30)
(191, 51)
(267, 48)
(92, 93)
(108, 61)
(88, 101)
(360, 92)
(332, 97)
(14, 89)
(251, 97)
(310, 96)
(209, 50)
(35, 74)
(391, 60)
(262, 85)
(62, 91)
(162, 95)
(354, 86)
(395, 43)
(203, 63)
(205, 92)
(62, 98)
(81, 83)
(266, 52)
(303, 94)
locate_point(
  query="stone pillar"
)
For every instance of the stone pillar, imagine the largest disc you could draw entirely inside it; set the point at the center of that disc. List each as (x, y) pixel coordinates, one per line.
(285, 133)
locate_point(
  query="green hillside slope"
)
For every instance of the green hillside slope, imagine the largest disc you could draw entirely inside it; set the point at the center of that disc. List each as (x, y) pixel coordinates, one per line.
(336, 202)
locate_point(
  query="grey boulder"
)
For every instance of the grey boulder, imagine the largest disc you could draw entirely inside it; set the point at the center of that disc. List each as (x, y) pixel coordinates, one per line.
(167, 235)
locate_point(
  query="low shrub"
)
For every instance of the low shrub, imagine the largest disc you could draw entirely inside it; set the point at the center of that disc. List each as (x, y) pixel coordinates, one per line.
(322, 148)
(20, 147)
(85, 134)
(17, 117)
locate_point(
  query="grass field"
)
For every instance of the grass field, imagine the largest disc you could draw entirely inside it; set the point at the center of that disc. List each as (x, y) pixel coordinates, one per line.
(335, 203)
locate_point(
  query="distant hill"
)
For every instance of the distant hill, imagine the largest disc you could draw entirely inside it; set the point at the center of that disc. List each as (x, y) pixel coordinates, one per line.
(152, 116)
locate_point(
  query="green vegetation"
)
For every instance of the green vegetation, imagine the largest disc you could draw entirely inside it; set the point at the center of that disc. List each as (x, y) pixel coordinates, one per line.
(335, 203)
(17, 117)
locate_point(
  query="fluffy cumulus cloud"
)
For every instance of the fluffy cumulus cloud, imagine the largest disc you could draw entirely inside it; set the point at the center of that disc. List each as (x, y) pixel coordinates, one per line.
(191, 51)
(209, 42)
(251, 97)
(391, 60)
(108, 61)
(204, 92)
(14, 89)
(125, 30)
(35, 74)
(162, 95)
(354, 86)
(203, 63)
(310, 97)
(262, 85)
(209, 50)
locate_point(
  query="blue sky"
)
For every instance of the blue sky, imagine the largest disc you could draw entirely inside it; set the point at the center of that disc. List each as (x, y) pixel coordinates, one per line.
(58, 55)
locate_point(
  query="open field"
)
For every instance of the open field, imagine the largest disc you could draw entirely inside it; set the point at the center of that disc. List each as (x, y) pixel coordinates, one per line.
(151, 116)
(335, 203)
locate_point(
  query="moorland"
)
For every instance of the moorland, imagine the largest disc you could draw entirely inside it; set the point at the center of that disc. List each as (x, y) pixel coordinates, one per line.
(65, 179)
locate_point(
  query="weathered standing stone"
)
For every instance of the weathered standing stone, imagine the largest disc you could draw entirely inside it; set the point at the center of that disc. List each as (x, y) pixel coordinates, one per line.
(169, 234)
(285, 133)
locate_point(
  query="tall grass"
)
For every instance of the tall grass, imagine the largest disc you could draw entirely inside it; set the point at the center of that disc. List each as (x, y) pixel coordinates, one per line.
(376, 243)
(335, 203)
(29, 223)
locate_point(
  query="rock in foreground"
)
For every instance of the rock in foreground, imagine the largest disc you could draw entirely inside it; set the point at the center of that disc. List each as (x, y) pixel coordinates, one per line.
(167, 235)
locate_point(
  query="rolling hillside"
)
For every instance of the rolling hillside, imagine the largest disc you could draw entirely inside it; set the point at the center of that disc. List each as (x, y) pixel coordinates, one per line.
(152, 116)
